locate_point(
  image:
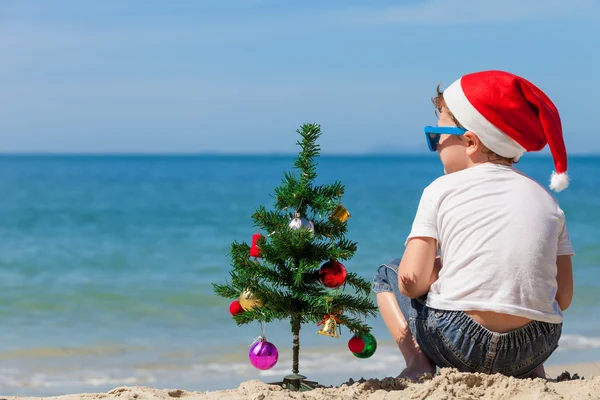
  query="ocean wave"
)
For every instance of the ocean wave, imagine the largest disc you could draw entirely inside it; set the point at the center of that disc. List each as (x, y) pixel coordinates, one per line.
(578, 342)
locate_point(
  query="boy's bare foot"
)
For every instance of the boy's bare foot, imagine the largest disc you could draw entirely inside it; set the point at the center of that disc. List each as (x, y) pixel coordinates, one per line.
(417, 367)
(539, 372)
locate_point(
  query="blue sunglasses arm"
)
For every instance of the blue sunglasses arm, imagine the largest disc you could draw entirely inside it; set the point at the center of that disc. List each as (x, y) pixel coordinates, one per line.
(445, 130)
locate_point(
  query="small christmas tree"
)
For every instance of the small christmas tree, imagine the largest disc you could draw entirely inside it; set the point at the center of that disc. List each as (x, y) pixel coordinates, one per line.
(294, 272)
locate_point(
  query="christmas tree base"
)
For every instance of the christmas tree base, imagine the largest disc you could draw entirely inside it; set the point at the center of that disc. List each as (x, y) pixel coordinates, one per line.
(297, 383)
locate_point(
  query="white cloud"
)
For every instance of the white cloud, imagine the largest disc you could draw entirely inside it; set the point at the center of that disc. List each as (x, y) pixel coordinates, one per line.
(439, 12)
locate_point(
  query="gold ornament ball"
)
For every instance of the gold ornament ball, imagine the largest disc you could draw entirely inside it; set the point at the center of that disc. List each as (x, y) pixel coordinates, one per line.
(341, 213)
(248, 300)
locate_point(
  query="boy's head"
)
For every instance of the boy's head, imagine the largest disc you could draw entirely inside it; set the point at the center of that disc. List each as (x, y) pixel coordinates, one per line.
(458, 152)
(496, 116)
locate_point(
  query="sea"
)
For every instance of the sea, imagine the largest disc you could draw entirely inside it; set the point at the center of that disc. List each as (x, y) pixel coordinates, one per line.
(106, 265)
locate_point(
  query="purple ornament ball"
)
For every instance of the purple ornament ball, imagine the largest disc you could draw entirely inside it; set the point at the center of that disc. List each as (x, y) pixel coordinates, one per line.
(263, 355)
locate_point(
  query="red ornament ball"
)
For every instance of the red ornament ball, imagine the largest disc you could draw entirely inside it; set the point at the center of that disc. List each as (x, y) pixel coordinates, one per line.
(235, 308)
(333, 274)
(356, 344)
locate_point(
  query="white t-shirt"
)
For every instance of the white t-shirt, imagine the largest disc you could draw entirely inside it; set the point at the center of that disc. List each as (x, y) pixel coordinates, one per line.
(499, 233)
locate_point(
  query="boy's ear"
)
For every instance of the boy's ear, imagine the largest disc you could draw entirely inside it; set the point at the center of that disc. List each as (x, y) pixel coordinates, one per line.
(472, 142)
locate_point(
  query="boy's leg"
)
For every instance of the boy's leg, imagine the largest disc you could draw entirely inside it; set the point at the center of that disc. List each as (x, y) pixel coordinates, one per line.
(396, 317)
(417, 363)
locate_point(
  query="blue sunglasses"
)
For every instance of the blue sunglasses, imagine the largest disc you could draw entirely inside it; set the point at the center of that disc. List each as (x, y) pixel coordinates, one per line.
(432, 133)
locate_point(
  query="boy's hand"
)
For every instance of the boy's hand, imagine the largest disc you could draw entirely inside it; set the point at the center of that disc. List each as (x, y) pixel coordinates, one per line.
(419, 267)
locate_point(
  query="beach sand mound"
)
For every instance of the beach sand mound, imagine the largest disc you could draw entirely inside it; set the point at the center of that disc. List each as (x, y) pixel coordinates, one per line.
(448, 384)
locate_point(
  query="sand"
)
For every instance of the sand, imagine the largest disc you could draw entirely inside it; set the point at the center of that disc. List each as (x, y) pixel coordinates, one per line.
(448, 384)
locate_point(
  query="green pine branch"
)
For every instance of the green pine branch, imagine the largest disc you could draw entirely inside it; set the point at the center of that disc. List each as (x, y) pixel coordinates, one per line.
(226, 291)
(305, 161)
(358, 283)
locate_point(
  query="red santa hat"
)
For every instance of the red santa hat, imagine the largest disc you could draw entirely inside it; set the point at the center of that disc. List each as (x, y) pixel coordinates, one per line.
(510, 115)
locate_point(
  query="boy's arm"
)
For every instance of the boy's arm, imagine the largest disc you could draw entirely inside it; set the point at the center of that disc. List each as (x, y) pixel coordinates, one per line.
(419, 267)
(564, 278)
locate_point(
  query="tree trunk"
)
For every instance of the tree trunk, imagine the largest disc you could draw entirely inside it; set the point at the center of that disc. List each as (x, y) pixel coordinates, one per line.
(296, 348)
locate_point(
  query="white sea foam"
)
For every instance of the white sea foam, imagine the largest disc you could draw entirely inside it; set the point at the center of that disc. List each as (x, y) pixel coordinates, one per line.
(330, 365)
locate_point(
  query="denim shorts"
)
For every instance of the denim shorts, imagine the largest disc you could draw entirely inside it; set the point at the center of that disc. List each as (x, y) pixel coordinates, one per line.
(453, 339)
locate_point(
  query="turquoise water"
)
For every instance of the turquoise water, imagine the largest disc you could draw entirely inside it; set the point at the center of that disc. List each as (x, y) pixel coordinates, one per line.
(106, 265)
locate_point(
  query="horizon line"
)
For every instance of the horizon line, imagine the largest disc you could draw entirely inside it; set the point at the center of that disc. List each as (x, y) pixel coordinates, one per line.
(240, 154)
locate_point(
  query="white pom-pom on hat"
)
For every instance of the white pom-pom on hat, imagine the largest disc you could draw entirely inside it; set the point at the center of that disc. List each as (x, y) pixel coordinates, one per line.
(510, 115)
(559, 182)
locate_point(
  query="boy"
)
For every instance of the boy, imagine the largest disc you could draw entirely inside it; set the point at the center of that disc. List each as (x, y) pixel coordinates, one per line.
(492, 300)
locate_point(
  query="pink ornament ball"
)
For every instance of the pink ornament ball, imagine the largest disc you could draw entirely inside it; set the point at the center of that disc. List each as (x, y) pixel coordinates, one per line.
(263, 355)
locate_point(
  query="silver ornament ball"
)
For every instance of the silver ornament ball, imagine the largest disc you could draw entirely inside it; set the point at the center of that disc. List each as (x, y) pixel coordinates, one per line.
(302, 223)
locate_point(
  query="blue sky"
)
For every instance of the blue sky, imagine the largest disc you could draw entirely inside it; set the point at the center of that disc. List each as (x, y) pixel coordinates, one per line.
(241, 75)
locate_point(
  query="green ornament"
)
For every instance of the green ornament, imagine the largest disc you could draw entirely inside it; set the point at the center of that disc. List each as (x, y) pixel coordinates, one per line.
(370, 346)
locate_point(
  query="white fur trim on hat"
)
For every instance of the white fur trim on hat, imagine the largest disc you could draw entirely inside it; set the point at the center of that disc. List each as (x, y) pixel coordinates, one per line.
(559, 182)
(492, 137)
